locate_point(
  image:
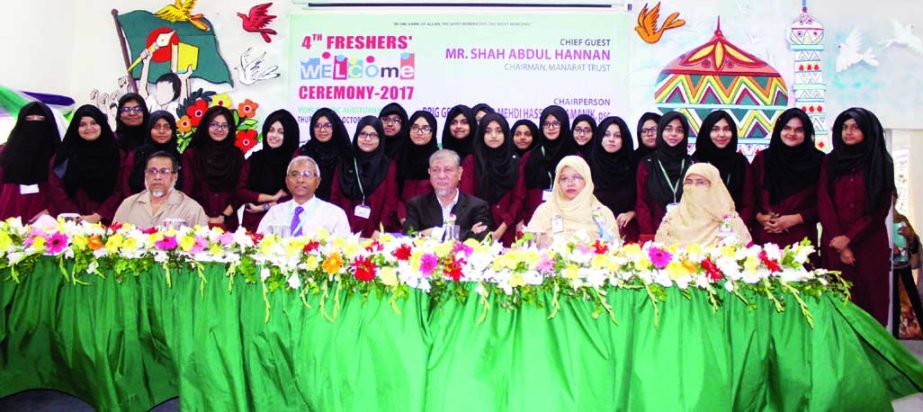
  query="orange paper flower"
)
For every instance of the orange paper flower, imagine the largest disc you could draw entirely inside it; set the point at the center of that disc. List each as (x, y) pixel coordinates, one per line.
(332, 264)
(247, 109)
(184, 125)
(94, 242)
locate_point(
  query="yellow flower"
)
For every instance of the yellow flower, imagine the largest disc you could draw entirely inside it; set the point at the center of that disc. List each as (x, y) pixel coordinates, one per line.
(632, 250)
(311, 263)
(222, 100)
(130, 244)
(643, 264)
(332, 264)
(728, 251)
(604, 262)
(676, 270)
(38, 244)
(517, 280)
(388, 276)
(694, 249)
(215, 249)
(690, 266)
(321, 235)
(386, 238)
(415, 259)
(570, 272)
(267, 245)
(186, 243)
(294, 247)
(751, 264)
(443, 249)
(5, 242)
(114, 243)
(80, 242)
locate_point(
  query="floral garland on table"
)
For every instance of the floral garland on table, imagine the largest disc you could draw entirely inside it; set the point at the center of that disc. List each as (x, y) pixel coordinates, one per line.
(391, 266)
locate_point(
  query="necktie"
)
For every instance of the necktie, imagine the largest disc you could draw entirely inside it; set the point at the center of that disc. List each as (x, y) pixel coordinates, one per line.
(295, 227)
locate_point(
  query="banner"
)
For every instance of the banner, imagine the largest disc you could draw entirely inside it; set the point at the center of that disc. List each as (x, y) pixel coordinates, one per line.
(356, 62)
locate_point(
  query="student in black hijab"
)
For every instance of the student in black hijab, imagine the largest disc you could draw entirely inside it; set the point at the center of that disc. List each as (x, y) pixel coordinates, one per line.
(494, 175)
(553, 143)
(647, 135)
(24, 162)
(525, 135)
(659, 180)
(86, 168)
(614, 173)
(480, 110)
(161, 136)
(131, 122)
(786, 177)
(215, 170)
(413, 164)
(394, 121)
(854, 195)
(458, 133)
(582, 134)
(365, 185)
(268, 166)
(328, 144)
(716, 144)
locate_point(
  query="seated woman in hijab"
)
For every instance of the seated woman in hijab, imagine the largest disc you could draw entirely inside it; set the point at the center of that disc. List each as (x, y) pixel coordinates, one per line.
(24, 163)
(705, 215)
(86, 169)
(573, 209)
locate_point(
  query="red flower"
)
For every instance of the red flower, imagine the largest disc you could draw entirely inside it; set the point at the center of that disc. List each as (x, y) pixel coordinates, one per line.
(246, 140)
(149, 231)
(196, 111)
(714, 274)
(601, 248)
(364, 268)
(311, 246)
(115, 226)
(772, 264)
(375, 246)
(255, 237)
(452, 267)
(402, 253)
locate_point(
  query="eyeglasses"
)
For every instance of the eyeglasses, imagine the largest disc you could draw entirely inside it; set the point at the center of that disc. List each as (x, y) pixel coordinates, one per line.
(571, 179)
(368, 136)
(582, 130)
(444, 170)
(391, 120)
(132, 109)
(219, 126)
(154, 172)
(649, 130)
(551, 125)
(294, 174)
(322, 126)
(419, 129)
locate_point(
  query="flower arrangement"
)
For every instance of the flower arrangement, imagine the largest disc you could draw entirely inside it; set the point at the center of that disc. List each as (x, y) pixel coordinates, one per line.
(193, 109)
(392, 266)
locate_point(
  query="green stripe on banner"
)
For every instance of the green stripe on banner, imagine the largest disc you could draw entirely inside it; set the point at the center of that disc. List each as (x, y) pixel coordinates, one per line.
(11, 101)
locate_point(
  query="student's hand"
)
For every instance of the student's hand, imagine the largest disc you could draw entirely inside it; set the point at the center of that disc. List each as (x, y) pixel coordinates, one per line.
(217, 221)
(839, 243)
(93, 218)
(624, 219)
(847, 257)
(280, 194)
(254, 208)
(478, 228)
(765, 219)
(783, 223)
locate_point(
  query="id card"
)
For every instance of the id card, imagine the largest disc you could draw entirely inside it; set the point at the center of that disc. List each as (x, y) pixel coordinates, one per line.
(437, 232)
(363, 211)
(546, 195)
(672, 206)
(557, 224)
(28, 189)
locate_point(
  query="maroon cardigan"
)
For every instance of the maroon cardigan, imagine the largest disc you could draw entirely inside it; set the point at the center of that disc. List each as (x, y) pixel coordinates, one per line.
(214, 203)
(504, 210)
(383, 201)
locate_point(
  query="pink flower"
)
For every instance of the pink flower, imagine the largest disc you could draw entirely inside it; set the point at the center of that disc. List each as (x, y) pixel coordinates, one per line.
(167, 243)
(226, 239)
(545, 265)
(201, 244)
(463, 248)
(659, 257)
(428, 264)
(56, 243)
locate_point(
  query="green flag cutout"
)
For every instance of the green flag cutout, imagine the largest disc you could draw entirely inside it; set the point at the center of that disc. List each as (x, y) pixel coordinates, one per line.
(187, 44)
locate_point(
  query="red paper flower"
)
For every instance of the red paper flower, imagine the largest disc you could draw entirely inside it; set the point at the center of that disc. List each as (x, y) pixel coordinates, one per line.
(375, 246)
(714, 274)
(115, 227)
(247, 109)
(246, 140)
(772, 264)
(364, 268)
(311, 246)
(149, 231)
(601, 248)
(452, 267)
(403, 253)
(196, 111)
(255, 237)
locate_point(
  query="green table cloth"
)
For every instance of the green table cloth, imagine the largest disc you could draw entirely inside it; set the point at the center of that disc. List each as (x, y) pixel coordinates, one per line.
(132, 343)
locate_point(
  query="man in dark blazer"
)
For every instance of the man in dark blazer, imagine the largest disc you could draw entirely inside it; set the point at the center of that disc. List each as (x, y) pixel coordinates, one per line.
(429, 213)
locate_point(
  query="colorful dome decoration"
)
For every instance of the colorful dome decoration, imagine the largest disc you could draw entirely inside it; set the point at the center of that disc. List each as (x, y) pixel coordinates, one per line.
(719, 75)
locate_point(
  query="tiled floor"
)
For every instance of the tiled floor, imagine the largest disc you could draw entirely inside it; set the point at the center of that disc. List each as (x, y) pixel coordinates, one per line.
(53, 401)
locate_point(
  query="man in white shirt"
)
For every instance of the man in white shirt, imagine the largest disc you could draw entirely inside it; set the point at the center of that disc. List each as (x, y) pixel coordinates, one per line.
(305, 213)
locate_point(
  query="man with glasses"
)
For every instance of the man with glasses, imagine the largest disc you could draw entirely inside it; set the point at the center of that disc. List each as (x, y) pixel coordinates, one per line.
(432, 214)
(304, 214)
(160, 202)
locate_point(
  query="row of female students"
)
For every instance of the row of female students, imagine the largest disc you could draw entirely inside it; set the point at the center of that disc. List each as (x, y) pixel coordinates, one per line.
(782, 195)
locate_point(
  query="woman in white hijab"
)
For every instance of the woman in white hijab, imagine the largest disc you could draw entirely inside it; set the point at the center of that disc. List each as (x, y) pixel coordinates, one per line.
(705, 214)
(572, 208)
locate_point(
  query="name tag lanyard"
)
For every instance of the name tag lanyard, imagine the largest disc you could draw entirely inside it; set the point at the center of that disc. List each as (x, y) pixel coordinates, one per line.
(673, 186)
(359, 180)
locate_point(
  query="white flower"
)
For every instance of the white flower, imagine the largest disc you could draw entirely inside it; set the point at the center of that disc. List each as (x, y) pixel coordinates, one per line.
(595, 278)
(662, 278)
(264, 274)
(729, 286)
(294, 281)
(480, 290)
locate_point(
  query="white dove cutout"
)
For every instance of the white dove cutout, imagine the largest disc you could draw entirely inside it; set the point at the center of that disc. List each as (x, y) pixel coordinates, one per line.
(903, 35)
(850, 54)
(252, 71)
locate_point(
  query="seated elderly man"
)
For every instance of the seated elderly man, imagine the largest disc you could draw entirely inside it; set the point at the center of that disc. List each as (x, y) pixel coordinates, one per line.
(430, 214)
(160, 201)
(304, 214)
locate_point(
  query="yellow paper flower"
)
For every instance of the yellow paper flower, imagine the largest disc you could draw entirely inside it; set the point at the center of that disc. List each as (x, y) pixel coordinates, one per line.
(571, 272)
(517, 280)
(114, 243)
(222, 99)
(311, 263)
(332, 264)
(5, 242)
(38, 244)
(388, 276)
